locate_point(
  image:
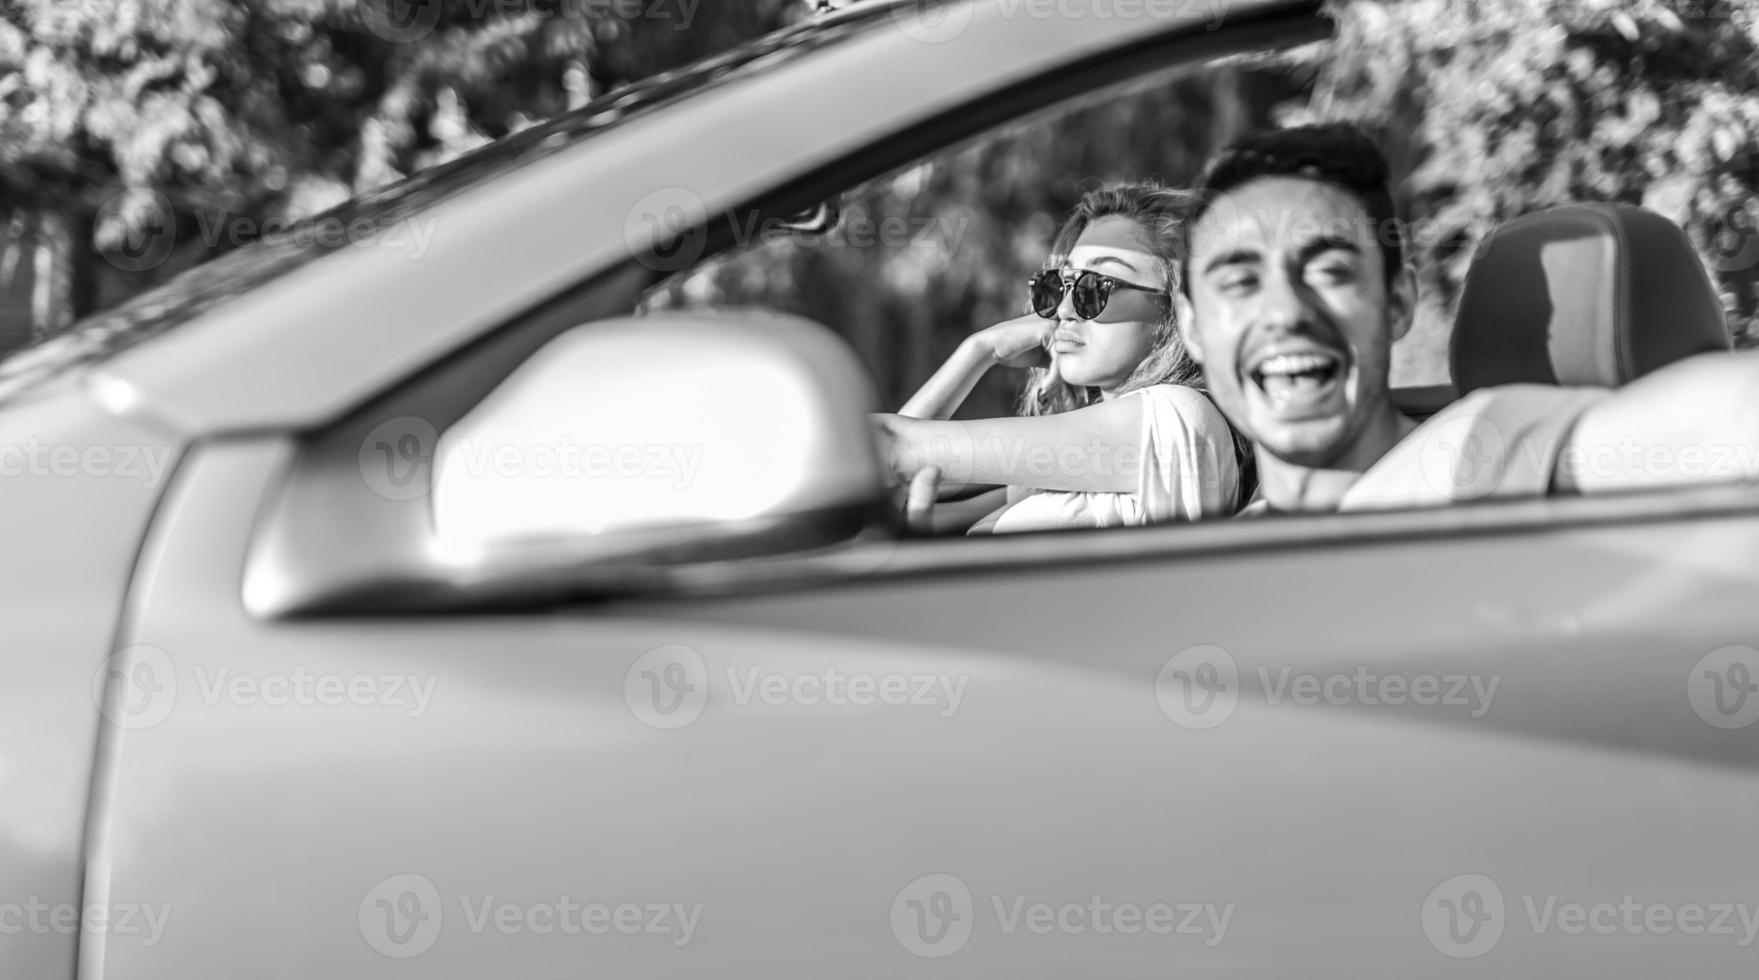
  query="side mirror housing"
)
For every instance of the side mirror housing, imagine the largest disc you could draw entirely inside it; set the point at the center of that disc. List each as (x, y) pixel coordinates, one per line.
(678, 436)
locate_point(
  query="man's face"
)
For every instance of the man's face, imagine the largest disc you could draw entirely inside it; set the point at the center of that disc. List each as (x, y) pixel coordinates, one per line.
(1291, 317)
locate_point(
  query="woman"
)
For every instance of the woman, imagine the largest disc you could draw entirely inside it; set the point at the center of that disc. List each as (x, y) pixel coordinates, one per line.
(1116, 429)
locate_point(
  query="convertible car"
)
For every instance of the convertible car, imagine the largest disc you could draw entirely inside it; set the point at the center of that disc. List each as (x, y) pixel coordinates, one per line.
(271, 708)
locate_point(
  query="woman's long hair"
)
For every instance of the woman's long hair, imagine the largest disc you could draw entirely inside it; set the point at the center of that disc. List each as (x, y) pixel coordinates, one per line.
(1159, 212)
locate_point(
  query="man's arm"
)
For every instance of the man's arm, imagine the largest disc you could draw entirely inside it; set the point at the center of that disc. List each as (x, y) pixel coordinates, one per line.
(1695, 421)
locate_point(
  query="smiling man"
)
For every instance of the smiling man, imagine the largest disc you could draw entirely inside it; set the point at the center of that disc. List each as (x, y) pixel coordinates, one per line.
(1296, 287)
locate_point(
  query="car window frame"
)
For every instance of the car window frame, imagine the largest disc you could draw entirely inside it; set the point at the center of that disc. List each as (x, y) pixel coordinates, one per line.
(308, 497)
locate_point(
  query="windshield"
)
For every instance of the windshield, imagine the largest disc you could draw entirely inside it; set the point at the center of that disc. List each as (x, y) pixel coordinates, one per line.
(186, 297)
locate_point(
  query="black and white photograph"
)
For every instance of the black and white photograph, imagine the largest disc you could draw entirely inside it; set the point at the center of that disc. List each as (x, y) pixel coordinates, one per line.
(841, 489)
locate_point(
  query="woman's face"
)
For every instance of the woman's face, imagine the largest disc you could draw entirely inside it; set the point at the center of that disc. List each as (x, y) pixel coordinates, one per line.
(1102, 353)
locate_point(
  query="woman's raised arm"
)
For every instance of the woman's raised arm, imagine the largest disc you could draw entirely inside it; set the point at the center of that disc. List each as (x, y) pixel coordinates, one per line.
(1020, 342)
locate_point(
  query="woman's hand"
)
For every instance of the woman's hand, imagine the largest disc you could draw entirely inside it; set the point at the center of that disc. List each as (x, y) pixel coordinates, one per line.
(1023, 342)
(919, 500)
(892, 439)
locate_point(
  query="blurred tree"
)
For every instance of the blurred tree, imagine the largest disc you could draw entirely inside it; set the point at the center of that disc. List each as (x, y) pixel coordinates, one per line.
(1494, 108)
(208, 118)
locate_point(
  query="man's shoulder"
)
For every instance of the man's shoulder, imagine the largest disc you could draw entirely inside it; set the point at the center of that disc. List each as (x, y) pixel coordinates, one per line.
(1493, 442)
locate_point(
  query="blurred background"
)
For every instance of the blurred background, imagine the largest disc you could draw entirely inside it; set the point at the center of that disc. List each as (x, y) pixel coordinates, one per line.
(228, 117)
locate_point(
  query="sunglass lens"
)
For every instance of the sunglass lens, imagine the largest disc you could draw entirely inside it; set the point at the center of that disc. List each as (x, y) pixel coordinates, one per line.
(1047, 294)
(1090, 295)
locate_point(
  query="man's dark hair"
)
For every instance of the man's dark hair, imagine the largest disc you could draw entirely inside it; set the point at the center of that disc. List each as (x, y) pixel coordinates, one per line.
(1338, 154)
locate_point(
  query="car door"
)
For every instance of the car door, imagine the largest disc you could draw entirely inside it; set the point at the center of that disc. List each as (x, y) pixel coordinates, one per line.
(1332, 746)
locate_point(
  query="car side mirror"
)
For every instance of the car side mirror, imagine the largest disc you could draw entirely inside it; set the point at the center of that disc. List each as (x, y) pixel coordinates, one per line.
(672, 437)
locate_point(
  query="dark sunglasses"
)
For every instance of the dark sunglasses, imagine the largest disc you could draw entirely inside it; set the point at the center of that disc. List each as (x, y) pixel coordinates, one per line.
(1092, 292)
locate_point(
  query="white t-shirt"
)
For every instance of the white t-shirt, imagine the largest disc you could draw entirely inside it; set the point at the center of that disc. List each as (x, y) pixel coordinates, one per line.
(1501, 442)
(1188, 472)
(1495, 442)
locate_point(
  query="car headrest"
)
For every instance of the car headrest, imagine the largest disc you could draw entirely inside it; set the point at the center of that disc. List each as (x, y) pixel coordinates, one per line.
(1584, 294)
